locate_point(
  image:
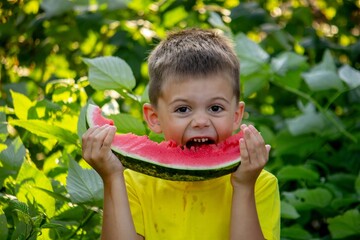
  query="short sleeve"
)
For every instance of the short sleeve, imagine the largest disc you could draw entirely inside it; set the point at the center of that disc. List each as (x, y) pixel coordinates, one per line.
(268, 205)
(135, 205)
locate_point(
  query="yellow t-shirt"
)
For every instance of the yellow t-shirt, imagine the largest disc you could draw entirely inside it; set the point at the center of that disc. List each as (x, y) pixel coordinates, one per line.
(169, 210)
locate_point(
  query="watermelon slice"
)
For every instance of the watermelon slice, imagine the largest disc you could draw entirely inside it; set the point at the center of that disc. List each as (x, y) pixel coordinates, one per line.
(167, 160)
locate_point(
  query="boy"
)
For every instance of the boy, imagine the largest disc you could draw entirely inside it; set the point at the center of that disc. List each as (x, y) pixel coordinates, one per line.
(194, 94)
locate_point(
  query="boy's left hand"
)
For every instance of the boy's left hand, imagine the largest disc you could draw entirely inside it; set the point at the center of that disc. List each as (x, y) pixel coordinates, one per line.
(254, 156)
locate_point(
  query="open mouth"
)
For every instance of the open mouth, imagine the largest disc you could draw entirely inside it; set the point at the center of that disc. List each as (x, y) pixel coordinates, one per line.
(197, 142)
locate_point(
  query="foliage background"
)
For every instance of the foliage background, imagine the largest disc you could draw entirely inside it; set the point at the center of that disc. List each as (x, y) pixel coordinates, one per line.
(300, 79)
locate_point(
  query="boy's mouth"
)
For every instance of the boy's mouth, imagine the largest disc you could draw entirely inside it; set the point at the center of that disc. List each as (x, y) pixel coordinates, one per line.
(197, 142)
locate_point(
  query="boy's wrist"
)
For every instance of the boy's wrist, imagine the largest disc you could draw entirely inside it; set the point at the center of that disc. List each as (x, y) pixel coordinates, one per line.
(113, 178)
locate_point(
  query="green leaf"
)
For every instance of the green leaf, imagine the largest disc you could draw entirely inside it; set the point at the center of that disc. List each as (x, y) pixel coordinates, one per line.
(287, 61)
(84, 185)
(116, 4)
(357, 184)
(295, 232)
(110, 73)
(44, 129)
(30, 179)
(3, 128)
(254, 82)
(345, 225)
(327, 63)
(125, 123)
(305, 199)
(252, 56)
(350, 76)
(297, 173)
(344, 202)
(309, 122)
(304, 144)
(22, 104)
(56, 7)
(82, 125)
(11, 159)
(174, 16)
(323, 76)
(3, 225)
(322, 80)
(288, 211)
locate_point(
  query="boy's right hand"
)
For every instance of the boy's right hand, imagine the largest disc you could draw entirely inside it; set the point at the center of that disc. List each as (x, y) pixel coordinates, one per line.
(96, 151)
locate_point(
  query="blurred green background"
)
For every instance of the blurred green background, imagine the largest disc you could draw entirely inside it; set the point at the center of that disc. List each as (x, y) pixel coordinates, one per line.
(300, 78)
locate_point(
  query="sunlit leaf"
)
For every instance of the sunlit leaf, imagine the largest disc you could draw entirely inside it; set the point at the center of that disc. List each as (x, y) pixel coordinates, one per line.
(110, 73)
(84, 185)
(22, 104)
(174, 15)
(345, 225)
(30, 179)
(44, 129)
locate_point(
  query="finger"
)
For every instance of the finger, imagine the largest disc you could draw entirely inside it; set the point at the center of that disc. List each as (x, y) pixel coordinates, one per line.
(268, 148)
(259, 144)
(86, 141)
(97, 140)
(244, 152)
(251, 146)
(111, 130)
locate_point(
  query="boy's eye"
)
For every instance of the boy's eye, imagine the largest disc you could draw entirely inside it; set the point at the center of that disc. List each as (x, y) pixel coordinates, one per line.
(216, 108)
(182, 109)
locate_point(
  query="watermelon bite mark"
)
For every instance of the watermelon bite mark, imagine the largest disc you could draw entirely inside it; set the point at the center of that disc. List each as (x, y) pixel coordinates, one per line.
(167, 160)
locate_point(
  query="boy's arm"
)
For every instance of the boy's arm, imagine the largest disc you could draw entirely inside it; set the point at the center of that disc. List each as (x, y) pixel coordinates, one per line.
(254, 155)
(117, 219)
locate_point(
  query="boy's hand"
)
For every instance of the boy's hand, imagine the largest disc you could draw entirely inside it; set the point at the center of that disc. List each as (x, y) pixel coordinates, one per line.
(254, 156)
(96, 151)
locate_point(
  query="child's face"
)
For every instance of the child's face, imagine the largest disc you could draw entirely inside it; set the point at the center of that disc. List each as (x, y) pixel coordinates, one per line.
(195, 111)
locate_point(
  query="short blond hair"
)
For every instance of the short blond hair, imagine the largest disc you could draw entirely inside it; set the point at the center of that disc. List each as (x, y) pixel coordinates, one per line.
(192, 52)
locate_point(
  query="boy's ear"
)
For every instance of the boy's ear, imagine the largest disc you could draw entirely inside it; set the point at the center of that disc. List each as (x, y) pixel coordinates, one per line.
(239, 113)
(151, 118)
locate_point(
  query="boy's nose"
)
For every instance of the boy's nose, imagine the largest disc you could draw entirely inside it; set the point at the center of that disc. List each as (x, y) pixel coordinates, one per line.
(200, 121)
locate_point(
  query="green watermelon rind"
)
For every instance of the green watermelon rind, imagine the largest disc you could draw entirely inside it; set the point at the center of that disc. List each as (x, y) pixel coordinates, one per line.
(174, 166)
(175, 174)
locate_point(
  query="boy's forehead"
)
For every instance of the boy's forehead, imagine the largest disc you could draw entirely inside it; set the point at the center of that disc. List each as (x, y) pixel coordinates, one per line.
(181, 78)
(174, 81)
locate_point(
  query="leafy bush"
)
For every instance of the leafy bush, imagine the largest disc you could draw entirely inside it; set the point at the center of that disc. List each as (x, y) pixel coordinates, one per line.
(300, 79)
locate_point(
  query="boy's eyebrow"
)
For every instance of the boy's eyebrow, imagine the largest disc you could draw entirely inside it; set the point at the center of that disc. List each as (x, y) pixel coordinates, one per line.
(187, 100)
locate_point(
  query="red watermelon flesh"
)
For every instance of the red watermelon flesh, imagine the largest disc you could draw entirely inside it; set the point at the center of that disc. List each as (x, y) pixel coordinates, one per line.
(166, 159)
